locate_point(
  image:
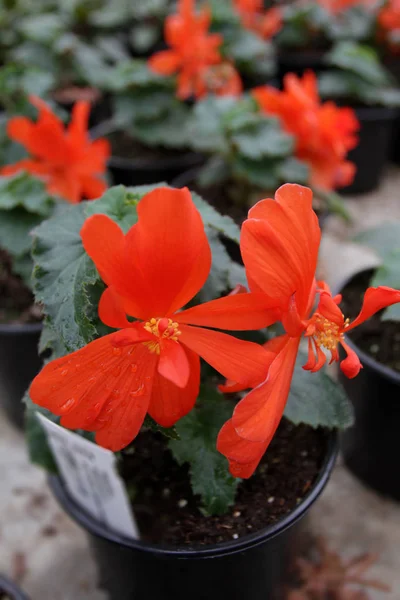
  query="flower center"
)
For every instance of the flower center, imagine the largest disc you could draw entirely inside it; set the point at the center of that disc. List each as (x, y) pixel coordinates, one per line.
(327, 334)
(163, 329)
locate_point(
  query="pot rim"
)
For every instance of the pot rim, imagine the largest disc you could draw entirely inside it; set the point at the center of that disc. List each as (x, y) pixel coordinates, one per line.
(20, 328)
(373, 364)
(10, 588)
(222, 549)
(188, 157)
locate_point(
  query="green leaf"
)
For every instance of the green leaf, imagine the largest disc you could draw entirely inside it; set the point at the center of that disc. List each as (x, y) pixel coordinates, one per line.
(198, 432)
(119, 204)
(206, 128)
(293, 170)
(316, 400)
(15, 230)
(63, 274)
(263, 137)
(168, 432)
(261, 173)
(213, 219)
(39, 450)
(361, 60)
(23, 190)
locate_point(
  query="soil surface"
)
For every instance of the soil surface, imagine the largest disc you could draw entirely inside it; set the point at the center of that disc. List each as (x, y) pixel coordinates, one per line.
(380, 339)
(16, 299)
(123, 145)
(167, 511)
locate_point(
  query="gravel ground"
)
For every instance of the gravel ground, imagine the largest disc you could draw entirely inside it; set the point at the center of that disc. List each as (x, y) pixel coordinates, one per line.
(48, 554)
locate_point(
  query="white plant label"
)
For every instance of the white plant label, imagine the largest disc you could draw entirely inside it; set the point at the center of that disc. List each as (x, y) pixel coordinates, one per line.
(90, 475)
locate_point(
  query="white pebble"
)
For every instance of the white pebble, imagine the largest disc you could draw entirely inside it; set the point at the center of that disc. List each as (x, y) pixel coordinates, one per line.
(271, 499)
(182, 503)
(235, 536)
(237, 513)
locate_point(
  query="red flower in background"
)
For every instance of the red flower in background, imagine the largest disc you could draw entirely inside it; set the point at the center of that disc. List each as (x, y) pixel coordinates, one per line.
(151, 364)
(323, 133)
(265, 23)
(389, 22)
(279, 244)
(65, 158)
(193, 54)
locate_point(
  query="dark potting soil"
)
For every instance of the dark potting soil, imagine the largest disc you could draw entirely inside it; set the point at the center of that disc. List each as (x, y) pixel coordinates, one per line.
(167, 511)
(380, 339)
(124, 146)
(16, 299)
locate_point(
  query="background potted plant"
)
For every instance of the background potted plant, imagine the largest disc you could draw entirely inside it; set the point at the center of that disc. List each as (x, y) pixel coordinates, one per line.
(153, 100)
(58, 165)
(254, 146)
(310, 28)
(252, 563)
(369, 446)
(360, 80)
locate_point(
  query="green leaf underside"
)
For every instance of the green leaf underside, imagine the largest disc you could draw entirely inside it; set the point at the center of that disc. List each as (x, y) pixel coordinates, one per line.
(197, 446)
(316, 400)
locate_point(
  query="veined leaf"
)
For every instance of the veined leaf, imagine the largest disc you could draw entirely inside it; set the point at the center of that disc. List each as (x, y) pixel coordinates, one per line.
(198, 432)
(316, 400)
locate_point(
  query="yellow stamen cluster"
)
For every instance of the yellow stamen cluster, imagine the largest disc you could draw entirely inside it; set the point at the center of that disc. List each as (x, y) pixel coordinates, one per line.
(327, 333)
(164, 329)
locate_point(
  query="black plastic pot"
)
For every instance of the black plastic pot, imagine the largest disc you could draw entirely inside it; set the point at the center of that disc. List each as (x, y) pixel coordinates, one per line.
(11, 590)
(371, 447)
(298, 61)
(140, 171)
(251, 568)
(374, 147)
(19, 363)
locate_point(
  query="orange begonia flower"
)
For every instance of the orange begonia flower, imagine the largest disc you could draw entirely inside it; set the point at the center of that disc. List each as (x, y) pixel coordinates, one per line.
(389, 20)
(279, 244)
(152, 364)
(69, 163)
(323, 133)
(265, 23)
(193, 52)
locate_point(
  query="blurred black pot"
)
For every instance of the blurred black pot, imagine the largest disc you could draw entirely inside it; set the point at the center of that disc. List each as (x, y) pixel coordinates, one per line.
(19, 363)
(299, 61)
(373, 151)
(140, 171)
(370, 448)
(251, 568)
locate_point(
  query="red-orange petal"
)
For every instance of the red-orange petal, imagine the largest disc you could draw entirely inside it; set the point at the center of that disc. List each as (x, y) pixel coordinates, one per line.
(97, 388)
(92, 187)
(374, 300)
(351, 365)
(279, 244)
(237, 312)
(78, 126)
(173, 363)
(111, 311)
(167, 252)
(170, 403)
(257, 416)
(237, 360)
(166, 62)
(243, 455)
(328, 308)
(104, 241)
